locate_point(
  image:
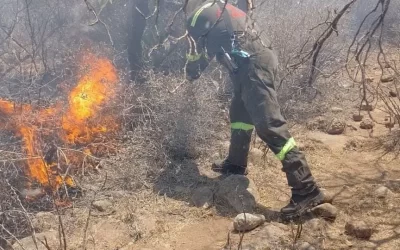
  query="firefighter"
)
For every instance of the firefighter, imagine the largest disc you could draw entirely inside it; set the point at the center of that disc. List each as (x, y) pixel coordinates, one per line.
(221, 30)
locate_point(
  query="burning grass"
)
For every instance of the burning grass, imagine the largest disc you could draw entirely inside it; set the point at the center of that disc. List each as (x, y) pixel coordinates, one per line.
(75, 125)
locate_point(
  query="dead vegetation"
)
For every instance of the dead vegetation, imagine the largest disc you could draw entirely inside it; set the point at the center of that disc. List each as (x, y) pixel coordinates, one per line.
(169, 127)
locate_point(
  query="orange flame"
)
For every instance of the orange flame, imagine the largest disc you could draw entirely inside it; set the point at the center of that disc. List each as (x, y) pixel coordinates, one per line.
(80, 122)
(94, 89)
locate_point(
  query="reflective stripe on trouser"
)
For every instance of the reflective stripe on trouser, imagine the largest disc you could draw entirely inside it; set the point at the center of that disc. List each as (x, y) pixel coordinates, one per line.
(255, 102)
(289, 145)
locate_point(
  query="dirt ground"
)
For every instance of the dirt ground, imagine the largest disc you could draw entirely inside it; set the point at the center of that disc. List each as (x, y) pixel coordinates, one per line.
(350, 166)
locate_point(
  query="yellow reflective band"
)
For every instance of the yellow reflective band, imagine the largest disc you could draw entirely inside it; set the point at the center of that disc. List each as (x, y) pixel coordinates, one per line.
(242, 126)
(197, 14)
(290, 144)
(192, 58)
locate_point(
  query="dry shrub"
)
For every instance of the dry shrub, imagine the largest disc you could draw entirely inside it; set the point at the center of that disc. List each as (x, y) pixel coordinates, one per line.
(168, 120)
(293, 27)
(14, 219)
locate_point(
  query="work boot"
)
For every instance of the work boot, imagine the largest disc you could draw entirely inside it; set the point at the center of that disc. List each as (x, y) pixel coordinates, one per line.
(226, 167)
(299, 204)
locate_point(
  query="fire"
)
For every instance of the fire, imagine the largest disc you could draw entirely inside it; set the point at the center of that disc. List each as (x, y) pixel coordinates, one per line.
(80, 122)
(94, 89)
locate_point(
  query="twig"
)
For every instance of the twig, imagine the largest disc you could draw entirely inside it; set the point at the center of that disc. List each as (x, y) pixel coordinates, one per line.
(322, 39)
(98, 20)
(26, 213)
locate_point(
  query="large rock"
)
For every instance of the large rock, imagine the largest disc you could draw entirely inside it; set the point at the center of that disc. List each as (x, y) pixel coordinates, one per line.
(336, 127)
(28, 243)
(246, 222)
(367, 124)
(203, 197)
(239, 192)
(359, 229)
(326, 211)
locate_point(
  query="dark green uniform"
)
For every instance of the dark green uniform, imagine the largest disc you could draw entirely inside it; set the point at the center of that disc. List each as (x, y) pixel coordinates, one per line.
(254, 105)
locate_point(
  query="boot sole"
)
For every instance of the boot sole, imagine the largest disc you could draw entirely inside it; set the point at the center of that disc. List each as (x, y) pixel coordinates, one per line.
(317, 200)
(221, 171)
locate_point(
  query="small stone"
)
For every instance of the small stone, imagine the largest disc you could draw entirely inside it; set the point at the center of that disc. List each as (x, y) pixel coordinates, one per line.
(32, 192)
(358, 229)
(370, 79)
(203, 197)
(349, 243)
(357, 117)
(328, 196)
(44, 221)
(304, 246)
(367, 124)
(316, 224)
(352, 128)
(326, 211)
(382, 192)
(319, 123)
(366, 107)
(397, 230)
(336, 109)
(102, 205)
(389, 124)
(387, 79)
(246, 222)
(239, 192)
(367, 245)
(392, 94)
(337, 127)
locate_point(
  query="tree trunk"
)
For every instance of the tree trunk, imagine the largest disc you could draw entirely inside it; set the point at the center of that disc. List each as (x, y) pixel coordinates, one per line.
(137, 28)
